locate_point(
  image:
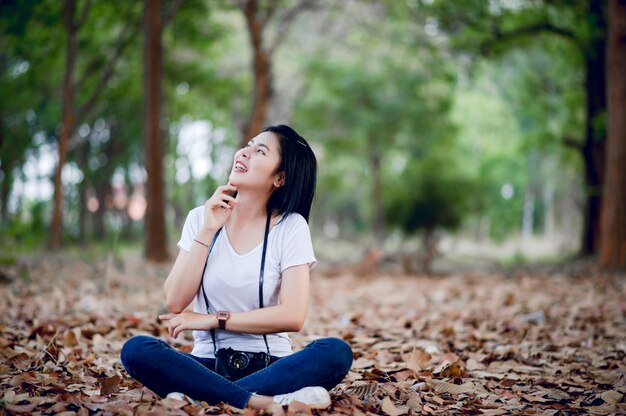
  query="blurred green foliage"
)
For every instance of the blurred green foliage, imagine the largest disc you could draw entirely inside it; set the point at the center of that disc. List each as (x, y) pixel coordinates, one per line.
(403, 110)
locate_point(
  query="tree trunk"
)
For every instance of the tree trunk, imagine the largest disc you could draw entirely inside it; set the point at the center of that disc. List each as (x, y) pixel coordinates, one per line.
(155, 232)
(56, 227)
(613, 237)
(528, 213)
(429, 245)
(593, 148)
(7, 179)
(262, 74)
(378, 210)
(549, 216)
(99, 229)
(82, 194)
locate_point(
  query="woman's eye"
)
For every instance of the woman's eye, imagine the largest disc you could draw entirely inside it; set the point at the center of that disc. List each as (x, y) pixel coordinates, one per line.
(260, 151)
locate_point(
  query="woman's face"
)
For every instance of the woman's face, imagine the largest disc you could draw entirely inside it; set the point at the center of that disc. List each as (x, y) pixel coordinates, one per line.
(254, 166)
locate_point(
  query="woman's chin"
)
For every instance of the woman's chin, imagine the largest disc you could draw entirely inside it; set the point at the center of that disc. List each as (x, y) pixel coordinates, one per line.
(233, 179)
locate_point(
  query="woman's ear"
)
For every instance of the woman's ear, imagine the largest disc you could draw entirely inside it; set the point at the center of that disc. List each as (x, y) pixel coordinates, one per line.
(279, 180)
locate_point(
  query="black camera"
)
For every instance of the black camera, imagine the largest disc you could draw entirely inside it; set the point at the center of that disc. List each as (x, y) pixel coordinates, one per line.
(238, 360)
(233, 364)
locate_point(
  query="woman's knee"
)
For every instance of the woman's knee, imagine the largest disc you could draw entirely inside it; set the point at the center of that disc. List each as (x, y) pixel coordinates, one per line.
(134, 349)
(338, 351)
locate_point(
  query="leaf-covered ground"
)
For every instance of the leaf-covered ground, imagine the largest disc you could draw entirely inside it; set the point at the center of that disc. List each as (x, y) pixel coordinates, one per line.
(526, 343)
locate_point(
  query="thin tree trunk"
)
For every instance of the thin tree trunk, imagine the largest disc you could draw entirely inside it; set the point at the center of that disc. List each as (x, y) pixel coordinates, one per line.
(261, 66)
(593, 148)
(528, 214)
(99, 230)
(613, 239)
(7, 181)
(56, 227)
(4, 194)
(429, 245)
(155, 232)
(82, 195)
(378, 210)
(549, 222)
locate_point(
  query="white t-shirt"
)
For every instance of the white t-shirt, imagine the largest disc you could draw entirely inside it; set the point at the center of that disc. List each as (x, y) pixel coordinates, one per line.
(231, 281)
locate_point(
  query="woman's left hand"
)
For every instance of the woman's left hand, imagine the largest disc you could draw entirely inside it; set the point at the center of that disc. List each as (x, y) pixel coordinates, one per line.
(186, 321)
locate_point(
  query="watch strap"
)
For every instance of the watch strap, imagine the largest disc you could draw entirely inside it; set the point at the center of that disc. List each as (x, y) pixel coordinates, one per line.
(222, 317)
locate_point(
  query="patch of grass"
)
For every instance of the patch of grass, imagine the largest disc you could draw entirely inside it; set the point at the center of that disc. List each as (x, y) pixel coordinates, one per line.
(96, 250)
(8, 260)
(518, 259)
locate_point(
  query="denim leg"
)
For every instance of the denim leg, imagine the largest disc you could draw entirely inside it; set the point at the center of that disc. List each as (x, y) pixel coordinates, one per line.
(324, 362)
(163, 370)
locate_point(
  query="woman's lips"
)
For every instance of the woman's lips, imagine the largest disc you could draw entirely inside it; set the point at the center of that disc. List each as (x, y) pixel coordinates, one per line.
(240, 167)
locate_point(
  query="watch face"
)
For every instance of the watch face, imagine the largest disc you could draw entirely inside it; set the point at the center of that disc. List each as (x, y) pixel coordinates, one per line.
(222, 315)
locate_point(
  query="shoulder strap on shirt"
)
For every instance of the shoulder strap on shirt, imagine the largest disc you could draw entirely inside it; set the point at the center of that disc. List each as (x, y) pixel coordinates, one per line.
(261, 278)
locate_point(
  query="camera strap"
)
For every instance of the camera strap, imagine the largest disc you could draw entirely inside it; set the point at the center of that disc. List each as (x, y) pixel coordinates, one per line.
(261, 278)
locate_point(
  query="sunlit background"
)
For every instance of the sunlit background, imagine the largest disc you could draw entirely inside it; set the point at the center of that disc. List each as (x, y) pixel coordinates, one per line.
(455, 125)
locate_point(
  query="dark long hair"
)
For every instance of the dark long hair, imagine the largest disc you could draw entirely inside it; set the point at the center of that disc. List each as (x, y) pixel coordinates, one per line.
(300, 167)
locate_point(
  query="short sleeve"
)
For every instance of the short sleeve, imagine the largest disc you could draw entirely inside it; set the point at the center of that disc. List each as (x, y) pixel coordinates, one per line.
(190, 229)
(297, 245)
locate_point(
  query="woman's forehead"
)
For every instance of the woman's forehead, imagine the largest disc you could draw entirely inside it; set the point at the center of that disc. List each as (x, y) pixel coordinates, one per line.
(267, 138)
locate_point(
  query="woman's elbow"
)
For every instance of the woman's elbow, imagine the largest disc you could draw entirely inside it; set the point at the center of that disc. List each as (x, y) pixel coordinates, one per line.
(296, 324)
(173, 305)
(174, 308)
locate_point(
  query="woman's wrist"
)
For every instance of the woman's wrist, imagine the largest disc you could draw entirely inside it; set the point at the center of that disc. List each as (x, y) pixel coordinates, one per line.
(204, 236)
(212, 322)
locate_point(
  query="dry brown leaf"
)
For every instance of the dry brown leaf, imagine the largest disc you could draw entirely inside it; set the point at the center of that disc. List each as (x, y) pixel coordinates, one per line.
(472, 365)
(110, 385)
(21, 408)
(450, 365)
(363, 362)
(494, 412)
(414, 402)
(70, 339)
(612, 397)
(391, 409)
(428, 409)
(402, 375)
(364, 391)
(18, 360)
(488, 375)
(444, 387)
(417, 360)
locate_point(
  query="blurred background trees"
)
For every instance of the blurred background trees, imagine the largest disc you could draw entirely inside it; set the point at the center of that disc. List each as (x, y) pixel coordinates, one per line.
(477, 124)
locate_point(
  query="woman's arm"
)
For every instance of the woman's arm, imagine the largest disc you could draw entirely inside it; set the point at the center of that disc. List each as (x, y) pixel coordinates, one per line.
(288, 316)
(184, 280)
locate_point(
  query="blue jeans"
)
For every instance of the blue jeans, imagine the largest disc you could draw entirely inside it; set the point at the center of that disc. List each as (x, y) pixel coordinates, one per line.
(162, 369)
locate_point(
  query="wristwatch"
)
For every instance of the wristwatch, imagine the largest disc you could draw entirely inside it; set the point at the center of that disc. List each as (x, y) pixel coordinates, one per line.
(222, 317)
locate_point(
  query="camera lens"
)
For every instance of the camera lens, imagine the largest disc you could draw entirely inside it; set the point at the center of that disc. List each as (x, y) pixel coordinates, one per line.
(239, 360)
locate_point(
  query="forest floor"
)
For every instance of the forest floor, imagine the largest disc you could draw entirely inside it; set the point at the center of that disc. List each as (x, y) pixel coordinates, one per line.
(523, 342)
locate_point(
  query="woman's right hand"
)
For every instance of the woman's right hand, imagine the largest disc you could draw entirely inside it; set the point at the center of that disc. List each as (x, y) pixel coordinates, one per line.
(218, 207)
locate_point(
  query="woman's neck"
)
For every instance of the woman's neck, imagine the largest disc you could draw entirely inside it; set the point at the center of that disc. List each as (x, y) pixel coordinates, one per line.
(250, 208)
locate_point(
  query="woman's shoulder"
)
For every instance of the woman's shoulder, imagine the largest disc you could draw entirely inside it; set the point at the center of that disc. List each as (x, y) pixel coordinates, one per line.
(196, 215)
(293, 220)
(293, 223)
(199, 210)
